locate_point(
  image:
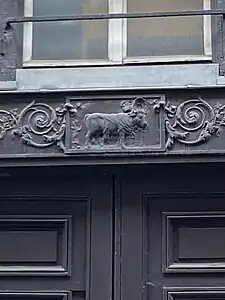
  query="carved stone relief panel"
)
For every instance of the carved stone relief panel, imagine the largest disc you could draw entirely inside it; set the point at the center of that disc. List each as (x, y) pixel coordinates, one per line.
(88, 125)
(108, 125)
(119, 125)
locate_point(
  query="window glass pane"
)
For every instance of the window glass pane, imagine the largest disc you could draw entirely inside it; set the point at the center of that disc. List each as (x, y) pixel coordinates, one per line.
(69, 40)
(165, 36)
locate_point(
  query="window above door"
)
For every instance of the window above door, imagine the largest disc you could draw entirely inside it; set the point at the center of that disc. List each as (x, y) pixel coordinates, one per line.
(115, 41)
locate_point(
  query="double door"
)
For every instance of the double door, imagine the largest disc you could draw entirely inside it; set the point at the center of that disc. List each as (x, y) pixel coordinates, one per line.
(103, 237)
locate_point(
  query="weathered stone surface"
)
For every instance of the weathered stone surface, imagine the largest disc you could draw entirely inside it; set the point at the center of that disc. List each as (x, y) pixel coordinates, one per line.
(8, 56)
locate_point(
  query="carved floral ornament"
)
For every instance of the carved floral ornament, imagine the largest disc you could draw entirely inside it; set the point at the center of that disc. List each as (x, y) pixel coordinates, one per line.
(40, 125)
(192, 122)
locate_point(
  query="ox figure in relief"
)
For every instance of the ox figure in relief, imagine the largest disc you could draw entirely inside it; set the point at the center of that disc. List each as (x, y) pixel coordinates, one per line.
(103, 126)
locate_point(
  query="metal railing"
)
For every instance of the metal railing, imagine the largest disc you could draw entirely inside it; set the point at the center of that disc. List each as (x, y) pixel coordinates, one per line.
(16, 20)
(8, 23)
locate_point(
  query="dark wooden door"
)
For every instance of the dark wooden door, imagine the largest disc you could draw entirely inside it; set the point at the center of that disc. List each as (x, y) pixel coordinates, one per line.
(56, 238)
(145, 236)
(172, 236)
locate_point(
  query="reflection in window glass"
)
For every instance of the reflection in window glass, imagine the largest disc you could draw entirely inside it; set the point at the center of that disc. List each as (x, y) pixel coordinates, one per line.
(69, 40)
(165, 36)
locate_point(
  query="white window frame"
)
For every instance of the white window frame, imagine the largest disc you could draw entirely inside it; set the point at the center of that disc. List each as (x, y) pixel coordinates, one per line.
(117, 42)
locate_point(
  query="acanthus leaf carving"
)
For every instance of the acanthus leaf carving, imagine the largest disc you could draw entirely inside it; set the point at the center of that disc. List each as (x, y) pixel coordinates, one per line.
(192, 122)
(8, 120)
(76, 126)
(173, 135)
(38, 124)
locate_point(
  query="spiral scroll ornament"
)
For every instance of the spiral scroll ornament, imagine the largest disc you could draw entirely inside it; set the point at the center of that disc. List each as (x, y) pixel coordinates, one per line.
(40, 125)
(194, 121)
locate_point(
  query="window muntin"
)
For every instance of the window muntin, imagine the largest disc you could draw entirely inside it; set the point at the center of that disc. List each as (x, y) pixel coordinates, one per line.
(115, 41)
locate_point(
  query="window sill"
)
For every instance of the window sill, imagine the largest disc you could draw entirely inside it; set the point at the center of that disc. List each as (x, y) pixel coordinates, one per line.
(8, 86)
(178, 76)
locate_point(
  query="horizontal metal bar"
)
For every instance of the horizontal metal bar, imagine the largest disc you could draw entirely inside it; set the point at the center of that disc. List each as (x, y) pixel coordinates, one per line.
(114, 16)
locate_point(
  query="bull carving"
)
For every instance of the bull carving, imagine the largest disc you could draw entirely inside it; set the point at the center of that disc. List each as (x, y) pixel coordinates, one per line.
(103, 126)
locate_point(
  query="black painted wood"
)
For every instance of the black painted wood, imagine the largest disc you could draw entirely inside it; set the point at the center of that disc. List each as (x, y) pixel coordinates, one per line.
(56, 238)
(136, 233)
(172, 234)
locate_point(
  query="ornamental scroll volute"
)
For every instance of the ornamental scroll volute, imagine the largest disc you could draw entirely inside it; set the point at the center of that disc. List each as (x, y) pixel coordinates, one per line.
(193, 123)
(38, 125)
